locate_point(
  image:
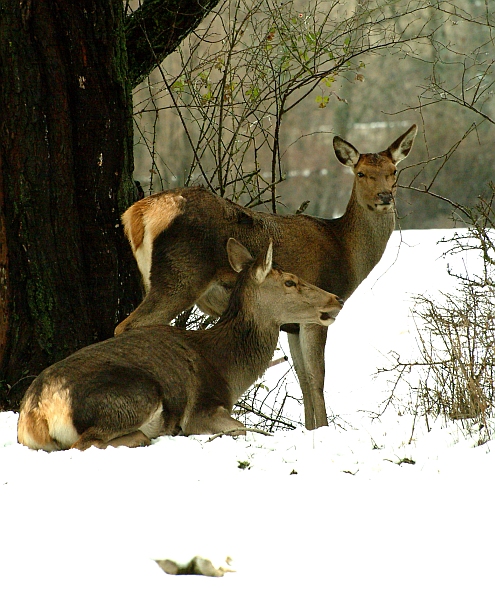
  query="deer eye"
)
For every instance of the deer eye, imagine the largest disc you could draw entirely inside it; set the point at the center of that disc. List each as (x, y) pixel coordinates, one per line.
(360, 174)
(290, 283)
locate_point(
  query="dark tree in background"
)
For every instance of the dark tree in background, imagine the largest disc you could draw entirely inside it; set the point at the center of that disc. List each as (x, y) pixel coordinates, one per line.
(67, 70)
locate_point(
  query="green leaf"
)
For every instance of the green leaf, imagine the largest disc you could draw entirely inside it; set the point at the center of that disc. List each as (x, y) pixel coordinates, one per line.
(322, 101)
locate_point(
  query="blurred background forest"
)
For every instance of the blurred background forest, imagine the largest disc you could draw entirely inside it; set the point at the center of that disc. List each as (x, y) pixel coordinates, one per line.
(249, 104)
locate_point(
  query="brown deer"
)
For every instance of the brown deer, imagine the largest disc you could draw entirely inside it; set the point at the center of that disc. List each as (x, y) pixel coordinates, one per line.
(178, 238)
(161, 380)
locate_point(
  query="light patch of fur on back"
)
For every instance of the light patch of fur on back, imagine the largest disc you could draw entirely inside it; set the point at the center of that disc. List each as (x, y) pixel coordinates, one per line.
(45, 423)
(144, 221)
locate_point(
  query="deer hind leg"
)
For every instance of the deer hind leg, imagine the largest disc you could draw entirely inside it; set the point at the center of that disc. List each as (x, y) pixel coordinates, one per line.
(218, 421)
(142, 422)
(102, 439)
(156, 309)
(307, 349)
(165, 301)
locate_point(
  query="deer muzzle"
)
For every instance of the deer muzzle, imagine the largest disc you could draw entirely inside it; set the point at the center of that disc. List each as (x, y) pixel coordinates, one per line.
(328, 314)
(385, 199)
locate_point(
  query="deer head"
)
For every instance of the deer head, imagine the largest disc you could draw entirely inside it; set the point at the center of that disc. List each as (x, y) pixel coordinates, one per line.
(278, 296)
(375, 174)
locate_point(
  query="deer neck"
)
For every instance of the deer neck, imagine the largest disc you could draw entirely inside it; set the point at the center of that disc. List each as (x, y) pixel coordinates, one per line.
(241, 348)
(364, 234)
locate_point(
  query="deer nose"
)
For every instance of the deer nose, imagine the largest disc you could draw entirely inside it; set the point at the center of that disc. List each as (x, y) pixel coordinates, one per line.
(386, 197)
(333, 304)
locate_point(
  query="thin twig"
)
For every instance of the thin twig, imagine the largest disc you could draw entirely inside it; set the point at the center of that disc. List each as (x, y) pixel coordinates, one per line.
(238, 431)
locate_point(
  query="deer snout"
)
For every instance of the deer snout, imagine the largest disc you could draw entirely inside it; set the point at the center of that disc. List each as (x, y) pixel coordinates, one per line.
(385, 198)
(329, 313)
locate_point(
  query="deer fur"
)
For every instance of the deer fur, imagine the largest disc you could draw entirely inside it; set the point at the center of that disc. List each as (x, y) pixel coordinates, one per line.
(161, 380)
(178, 238)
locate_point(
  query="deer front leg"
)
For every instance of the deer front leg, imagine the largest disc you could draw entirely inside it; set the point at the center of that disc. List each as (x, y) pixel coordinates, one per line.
(217, 421)
(307, 349)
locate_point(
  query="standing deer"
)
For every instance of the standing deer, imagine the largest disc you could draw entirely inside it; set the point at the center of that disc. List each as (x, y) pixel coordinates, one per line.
(178, 238)
(162, 380)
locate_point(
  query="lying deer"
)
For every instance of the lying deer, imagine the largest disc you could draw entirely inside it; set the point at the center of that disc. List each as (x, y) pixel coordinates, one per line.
(163, 380)
(178, 238)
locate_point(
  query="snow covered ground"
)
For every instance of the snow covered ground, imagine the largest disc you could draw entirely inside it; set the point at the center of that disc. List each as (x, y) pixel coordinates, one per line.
(335, 513)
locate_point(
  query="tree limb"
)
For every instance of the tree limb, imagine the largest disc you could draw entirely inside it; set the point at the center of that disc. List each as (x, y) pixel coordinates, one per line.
(156, 28)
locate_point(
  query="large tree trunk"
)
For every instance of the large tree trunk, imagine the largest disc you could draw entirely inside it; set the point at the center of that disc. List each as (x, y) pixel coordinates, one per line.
(67, 275)
(65, 179)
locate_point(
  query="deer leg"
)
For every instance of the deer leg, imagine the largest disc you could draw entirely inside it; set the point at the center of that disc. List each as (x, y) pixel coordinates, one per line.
(219, 421)
(178, 279)
(298, 361)
(156, 309)
(102, 439)
(136, 439)
(308, 353)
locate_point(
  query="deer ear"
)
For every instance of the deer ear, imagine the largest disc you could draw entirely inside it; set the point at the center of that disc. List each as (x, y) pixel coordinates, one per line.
(239, 255)
(345, 152)
(399, 149)
(263, 264)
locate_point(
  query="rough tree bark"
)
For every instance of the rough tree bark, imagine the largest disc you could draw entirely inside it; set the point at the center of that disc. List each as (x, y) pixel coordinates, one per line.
(66, 273)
